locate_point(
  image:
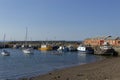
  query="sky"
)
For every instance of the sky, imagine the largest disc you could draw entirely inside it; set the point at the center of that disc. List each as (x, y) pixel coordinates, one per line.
(59, 19)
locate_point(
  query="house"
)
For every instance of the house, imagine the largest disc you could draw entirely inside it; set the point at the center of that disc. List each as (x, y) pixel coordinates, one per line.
(98, 41)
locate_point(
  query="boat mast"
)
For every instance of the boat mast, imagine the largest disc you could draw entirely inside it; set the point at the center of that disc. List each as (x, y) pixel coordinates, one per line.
(26, 36)
(4, 41)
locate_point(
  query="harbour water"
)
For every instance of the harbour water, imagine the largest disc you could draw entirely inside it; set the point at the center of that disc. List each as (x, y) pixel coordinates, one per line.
(19, 65)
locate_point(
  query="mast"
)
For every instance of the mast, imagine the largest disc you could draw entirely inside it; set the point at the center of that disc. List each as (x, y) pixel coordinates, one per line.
(4, 40)
(26, 36)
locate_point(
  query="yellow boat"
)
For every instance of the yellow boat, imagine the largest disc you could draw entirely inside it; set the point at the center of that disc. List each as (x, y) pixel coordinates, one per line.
(45, 48)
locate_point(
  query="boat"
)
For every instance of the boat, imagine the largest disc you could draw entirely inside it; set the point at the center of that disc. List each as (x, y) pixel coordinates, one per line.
(4, 52)
(62, 48)
(106, 49)
(71, 48)
(86, 49)
(105, 46)
(26, 49)
(45, 47)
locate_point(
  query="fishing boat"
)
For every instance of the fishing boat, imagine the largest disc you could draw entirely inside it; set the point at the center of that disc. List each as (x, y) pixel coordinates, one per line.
(4, 52)
(71, 48)
(107, 49)
(45, 47)
(85, 49)
(63, 49)
(26, 49)
(105, 46)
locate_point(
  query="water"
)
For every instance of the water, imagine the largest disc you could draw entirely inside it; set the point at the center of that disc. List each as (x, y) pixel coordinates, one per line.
(19, 65)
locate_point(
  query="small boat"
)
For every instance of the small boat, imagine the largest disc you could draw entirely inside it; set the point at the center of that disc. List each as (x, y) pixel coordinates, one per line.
(62, 48)
(5, 53)
(106, 50)
(27, 50)
(45, 47)
(86, 49)
(71, 48)
(105, 47)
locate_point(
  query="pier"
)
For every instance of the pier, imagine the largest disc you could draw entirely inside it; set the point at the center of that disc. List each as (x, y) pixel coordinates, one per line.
(37, 44)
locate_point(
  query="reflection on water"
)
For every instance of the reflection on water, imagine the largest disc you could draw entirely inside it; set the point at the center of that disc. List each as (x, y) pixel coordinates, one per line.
(19, 65)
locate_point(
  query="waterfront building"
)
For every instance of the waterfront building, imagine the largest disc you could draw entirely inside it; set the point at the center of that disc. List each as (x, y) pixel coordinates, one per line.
(99, 41)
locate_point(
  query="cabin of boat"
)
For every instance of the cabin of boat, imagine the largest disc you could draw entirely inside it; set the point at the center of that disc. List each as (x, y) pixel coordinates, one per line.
(86, 49)
(45, 48)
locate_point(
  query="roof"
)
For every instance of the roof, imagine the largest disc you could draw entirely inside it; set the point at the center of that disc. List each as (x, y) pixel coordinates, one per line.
(104, 38)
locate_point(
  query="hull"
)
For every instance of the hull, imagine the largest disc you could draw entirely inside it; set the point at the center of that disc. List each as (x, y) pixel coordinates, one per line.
(83, 49)
(4, 53)
(27, 51)
(45, 48)
(63, 49)
(88, 50)
(71, 48)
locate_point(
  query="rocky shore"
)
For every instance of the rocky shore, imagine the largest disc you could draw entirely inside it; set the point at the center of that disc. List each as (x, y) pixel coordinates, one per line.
(107, 69)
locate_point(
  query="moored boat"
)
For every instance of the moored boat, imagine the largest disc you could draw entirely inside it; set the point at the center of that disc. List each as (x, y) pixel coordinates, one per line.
(45, 48)
(71, 48)
(5, 53)
(62, 48)
(86, 49)
(25, 48)
(28, 50)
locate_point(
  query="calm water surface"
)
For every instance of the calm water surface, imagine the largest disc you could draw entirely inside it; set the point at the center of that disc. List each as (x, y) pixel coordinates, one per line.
(19, 65)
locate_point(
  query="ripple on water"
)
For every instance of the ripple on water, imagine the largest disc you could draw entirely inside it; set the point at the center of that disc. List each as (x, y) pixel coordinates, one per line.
(19, 65)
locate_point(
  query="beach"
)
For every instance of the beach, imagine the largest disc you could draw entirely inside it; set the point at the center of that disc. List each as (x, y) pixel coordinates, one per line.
(106, 69)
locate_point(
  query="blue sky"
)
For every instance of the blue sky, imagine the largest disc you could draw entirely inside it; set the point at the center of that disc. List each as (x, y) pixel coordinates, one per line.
(59, 19)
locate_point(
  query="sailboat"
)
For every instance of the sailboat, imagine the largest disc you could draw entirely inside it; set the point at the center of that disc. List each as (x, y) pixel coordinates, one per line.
(27, 50)
(4, 52)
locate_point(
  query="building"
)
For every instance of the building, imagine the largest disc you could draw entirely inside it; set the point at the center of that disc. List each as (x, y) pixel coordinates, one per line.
(98, 41)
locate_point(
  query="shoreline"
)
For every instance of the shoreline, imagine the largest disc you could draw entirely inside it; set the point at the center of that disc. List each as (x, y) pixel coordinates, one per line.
(106, 69)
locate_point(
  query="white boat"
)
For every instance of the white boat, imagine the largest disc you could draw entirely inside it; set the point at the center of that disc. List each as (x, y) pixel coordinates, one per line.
(105, 47)
(4, 52)
(85, 49)
(81, 48)
(62, 48)
(27, 50)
